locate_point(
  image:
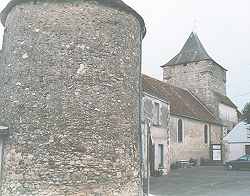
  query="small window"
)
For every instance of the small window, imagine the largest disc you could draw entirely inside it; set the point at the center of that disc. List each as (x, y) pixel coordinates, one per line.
(161, 154)
(157, 114)
(180, 131)
(205, 134)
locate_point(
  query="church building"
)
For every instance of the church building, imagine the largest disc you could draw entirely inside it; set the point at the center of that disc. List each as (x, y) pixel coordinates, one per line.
(194, 86)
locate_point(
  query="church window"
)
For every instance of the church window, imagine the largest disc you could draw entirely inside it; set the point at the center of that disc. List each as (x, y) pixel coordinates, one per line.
(157, 113)
(205, 134)
(180, 131)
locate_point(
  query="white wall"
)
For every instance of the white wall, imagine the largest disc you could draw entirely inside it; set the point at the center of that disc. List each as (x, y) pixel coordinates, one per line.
(234, 151)
(228, 113)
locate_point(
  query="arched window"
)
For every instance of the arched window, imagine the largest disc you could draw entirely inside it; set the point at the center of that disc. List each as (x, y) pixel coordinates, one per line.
(206, 134)
(180, 131)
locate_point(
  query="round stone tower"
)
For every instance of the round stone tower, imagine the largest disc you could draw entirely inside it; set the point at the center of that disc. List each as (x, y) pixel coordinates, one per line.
(70, 97)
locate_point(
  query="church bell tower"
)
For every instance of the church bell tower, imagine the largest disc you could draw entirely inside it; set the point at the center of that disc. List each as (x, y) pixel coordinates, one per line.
(193, 69)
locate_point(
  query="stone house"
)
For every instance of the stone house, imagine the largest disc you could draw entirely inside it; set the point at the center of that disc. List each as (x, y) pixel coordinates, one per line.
(155, 131)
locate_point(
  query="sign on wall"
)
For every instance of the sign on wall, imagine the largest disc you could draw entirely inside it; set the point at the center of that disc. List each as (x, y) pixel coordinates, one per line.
(216, 152)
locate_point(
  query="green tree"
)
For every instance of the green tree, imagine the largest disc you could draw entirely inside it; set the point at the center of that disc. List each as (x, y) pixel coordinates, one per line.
(246, 113)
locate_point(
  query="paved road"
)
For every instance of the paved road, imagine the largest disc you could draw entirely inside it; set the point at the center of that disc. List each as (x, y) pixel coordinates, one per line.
(202, 181)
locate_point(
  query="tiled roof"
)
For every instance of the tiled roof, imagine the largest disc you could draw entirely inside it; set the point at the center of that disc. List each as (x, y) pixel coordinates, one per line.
(192, 51)
(224, 99)
(118, 4)
(182, 102)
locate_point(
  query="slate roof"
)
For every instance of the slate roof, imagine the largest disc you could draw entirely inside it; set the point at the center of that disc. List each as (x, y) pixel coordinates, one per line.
(192, 51)
(117, 4)
(224, 99)
(182, 102)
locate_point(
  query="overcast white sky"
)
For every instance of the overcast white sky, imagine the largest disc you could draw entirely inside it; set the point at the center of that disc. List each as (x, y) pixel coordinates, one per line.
(223, 27)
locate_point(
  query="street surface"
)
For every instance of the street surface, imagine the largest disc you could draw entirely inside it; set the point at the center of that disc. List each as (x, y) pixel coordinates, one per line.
(202, 181)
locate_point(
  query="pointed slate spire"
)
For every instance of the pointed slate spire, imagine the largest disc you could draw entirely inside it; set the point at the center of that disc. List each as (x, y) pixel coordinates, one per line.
(192, 51)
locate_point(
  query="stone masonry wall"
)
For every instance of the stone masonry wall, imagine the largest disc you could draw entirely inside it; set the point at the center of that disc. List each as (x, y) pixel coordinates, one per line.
(70, 97)
(193, 145)
(202, 78)
(216, 134)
